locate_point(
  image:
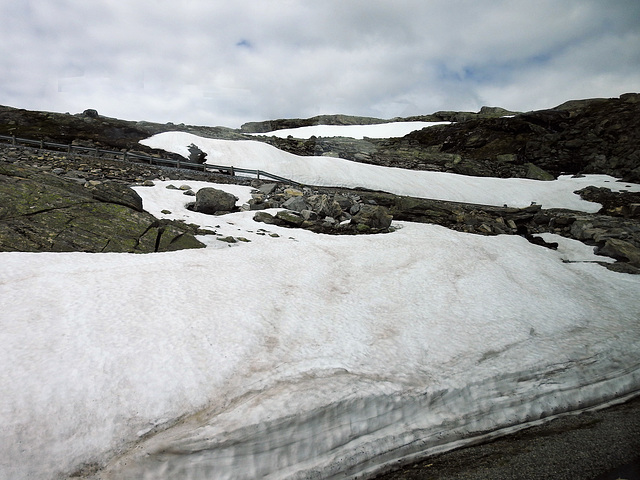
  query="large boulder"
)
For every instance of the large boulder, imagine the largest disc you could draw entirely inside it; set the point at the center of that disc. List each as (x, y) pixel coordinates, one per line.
(211, 200)
(45, 213)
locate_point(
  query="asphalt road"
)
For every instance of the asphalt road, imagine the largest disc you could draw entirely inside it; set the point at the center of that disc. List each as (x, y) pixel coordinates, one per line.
(596, 445)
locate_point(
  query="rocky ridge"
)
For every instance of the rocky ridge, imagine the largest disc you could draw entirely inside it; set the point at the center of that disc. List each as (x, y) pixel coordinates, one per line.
(577, 137)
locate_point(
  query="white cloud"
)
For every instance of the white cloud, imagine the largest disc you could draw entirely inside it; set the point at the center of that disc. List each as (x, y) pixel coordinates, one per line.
(214, 62)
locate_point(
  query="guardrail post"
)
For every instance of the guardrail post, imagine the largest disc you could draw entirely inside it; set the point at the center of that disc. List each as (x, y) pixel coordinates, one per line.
(178, 163)
(13, 140)
(124, 155)
(69, 148)
(41, 144)
(232, 172)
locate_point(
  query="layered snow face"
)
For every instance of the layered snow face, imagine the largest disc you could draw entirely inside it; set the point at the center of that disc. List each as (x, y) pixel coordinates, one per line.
(329, 171)
(381, 130)
(298, 355)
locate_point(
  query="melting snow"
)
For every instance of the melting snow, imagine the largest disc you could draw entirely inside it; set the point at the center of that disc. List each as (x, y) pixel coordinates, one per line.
(301, 355)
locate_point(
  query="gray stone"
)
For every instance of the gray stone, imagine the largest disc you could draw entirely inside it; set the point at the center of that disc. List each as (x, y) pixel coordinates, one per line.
(536, 173)
(290, 218)
(507, 158)
(114, 192)
(264, 217)
(373, 216)
(211, 200)
(621, 250)
(324, 206)
(267, 188)
(344, 201)
(296, 204)
(228, 239)
(309, 215)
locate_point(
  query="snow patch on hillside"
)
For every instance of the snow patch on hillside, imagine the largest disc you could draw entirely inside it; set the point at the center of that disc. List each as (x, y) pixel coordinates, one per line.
(329, 171)
(381, 130)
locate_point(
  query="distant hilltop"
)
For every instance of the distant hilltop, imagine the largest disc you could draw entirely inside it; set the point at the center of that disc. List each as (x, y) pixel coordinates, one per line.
(443, 116)
(598, 135)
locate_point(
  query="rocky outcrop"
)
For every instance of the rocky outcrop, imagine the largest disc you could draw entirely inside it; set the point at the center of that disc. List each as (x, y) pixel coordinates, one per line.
(581, 136)
(43, 212)
(584, 136)
(332, 213)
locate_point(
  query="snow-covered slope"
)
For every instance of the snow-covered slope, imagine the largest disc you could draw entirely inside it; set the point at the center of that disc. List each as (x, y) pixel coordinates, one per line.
(329, 171)
(298, 355)
(381, 130)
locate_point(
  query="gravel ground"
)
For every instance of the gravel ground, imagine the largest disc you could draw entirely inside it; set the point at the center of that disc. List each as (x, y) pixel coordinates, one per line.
(596, 445)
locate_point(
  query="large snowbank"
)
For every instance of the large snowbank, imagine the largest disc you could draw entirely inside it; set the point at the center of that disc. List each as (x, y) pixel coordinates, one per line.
(329, 171)
(301, 355)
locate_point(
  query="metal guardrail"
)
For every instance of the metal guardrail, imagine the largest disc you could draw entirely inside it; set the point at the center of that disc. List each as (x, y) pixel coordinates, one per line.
(126, 155)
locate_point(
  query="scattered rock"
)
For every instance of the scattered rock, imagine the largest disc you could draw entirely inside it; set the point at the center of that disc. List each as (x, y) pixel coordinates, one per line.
(267, 188)
(228, 239)
(373, 216)
(264, 217)
(290, 218)
(296, 203)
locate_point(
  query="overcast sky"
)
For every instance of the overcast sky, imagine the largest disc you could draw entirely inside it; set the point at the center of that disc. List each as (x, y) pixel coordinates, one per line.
(222, 62)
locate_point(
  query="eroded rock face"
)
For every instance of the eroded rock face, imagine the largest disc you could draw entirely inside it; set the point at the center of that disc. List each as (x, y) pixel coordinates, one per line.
(42, 212)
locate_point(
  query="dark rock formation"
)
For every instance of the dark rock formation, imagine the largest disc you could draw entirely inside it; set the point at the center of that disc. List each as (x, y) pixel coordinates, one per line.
(196, 155)
(43, 212)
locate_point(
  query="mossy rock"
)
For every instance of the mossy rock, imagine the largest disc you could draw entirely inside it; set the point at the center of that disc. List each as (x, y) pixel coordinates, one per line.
(42, 212)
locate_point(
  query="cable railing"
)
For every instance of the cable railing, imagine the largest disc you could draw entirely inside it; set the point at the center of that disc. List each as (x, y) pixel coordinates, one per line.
(127, 155)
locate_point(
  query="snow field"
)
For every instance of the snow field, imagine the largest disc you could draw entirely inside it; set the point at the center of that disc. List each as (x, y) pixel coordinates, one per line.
(302, 355)
(329, 171)
(381, 130)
